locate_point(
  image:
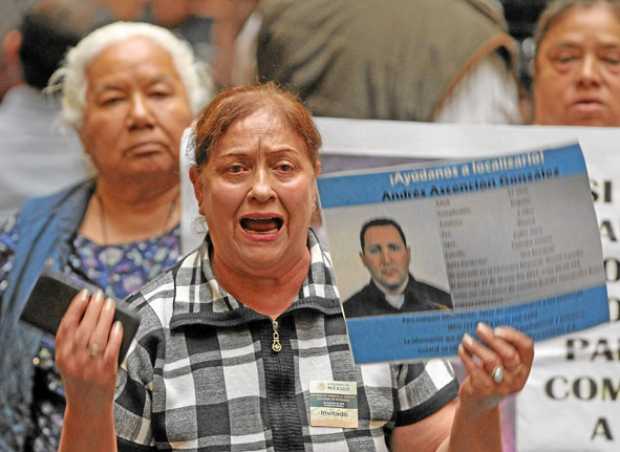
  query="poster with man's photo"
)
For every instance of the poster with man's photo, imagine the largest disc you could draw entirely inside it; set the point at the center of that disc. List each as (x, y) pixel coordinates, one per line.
(422, 253)
(398, 265)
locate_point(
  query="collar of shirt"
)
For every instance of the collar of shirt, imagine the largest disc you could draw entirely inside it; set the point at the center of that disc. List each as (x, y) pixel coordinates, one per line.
(396, 300)
(199, 299)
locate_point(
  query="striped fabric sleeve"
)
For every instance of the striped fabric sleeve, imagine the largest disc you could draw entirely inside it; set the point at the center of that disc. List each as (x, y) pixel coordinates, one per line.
(133, 397)
(423, 389)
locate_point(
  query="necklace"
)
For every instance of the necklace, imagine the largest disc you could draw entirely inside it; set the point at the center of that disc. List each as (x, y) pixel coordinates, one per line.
(122, 268)
(102, 220)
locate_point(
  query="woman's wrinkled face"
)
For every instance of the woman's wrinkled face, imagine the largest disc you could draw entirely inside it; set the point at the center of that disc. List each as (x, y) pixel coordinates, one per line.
(136, 110)
(257, 192)
(577, 69)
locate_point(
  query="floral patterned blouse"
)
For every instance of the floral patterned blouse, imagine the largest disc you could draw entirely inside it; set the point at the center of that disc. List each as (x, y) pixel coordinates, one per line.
(119, 270)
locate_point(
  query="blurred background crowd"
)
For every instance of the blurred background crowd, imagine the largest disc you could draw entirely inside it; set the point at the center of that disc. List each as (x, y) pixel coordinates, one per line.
(222, 32)
(466, 61)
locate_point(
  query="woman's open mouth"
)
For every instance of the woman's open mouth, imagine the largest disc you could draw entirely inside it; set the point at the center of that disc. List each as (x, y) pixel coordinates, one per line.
(267, 225)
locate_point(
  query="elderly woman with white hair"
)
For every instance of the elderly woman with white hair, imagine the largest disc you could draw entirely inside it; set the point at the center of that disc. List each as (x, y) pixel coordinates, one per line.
(129, 90)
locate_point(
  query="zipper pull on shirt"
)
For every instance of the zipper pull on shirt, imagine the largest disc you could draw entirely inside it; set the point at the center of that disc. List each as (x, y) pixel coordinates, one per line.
(276, 346)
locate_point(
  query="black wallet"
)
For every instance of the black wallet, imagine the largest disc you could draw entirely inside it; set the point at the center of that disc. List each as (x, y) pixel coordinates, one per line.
(51, 297)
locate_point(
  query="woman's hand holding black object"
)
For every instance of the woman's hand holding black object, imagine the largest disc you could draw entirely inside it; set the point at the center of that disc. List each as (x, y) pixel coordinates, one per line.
(87, 347)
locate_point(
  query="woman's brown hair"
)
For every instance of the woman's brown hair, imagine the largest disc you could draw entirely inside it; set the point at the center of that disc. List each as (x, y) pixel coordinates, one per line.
(240, 102)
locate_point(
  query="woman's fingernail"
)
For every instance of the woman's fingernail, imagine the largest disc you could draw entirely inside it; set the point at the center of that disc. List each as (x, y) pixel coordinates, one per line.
(467, 339)
(83, 295)
(109, 304)
(484, 328)
(98, 296)
(118, 327)
(499, 331)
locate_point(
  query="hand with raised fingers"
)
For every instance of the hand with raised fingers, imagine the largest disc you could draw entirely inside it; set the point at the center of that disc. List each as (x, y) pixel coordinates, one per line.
(87, 348)
(497, 365)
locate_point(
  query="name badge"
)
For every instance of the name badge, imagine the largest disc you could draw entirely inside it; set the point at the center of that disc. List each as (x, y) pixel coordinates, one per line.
(333, 404)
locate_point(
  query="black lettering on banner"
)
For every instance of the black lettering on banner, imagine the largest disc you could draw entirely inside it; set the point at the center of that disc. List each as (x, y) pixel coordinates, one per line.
(612, 269)
(607, 231)
(601, 350)
(609, 391)
(614, 309)
(550, 388)
(571, 347)
(601, 192)
(584, 389)
(602, 430)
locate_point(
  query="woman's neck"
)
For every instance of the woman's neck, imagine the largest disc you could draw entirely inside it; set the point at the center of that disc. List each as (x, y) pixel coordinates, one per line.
(270, 296)
(116, 216)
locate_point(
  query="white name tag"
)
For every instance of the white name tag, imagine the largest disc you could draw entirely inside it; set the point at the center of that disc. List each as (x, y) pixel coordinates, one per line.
(333, 404)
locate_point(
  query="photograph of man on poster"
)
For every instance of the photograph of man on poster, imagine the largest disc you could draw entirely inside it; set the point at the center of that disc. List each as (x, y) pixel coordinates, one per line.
(392, 288)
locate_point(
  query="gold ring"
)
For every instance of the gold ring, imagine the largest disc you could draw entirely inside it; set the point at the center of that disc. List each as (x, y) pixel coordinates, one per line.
(498, 374)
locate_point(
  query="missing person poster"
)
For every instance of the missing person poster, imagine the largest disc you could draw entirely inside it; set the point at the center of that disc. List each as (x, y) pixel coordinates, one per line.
(575, 378)
(423, 253)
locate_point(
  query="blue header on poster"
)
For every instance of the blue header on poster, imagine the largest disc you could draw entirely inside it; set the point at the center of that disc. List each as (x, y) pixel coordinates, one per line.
(450, 178)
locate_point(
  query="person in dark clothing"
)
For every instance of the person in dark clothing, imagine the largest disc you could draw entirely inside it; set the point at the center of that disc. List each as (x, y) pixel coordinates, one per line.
(392, 288)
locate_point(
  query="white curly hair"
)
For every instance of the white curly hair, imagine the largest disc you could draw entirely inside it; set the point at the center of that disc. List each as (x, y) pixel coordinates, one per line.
(70, 78)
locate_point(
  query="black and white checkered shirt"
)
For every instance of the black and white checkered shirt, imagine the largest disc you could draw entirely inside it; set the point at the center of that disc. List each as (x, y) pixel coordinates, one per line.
(201, 374)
